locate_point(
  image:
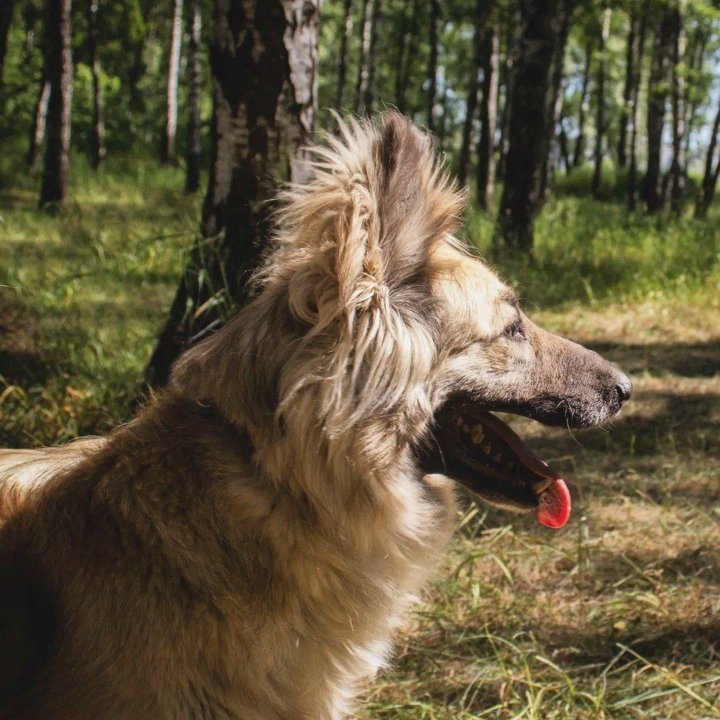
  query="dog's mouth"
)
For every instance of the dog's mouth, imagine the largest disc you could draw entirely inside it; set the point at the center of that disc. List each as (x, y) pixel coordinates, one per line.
(478, 450)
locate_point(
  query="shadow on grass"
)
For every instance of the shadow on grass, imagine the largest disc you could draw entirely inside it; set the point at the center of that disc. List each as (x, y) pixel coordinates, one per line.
(683, 359)
(578, 652)
(21, 357)
(695, 643)
(630, 568)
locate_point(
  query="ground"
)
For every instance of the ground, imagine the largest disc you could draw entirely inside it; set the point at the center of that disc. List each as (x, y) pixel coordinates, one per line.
(615, 616)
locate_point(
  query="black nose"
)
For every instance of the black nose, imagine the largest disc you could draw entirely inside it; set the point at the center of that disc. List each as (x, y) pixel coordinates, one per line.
(624, 389)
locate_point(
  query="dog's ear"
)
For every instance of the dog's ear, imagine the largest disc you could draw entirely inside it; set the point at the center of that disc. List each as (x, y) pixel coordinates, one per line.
(378, 202)
(353, 246)
(417, 203)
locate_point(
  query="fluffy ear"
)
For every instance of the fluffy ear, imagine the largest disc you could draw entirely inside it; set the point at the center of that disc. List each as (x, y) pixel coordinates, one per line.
(378, 202)
(351, 241)
(417, 203)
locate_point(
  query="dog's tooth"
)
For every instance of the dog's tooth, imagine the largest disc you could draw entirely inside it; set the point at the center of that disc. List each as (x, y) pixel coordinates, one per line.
(486, 447)
(477, 434)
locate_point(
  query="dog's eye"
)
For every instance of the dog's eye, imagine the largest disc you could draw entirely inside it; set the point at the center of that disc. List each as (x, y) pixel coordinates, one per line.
(516, 331)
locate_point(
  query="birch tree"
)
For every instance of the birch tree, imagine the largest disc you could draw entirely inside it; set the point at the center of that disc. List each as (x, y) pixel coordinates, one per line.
(632, 189)
(628, 85)
(173, 81)
(434, 32)
(712, 170)
(193, 149)
(364, 88)
(404, 70)
(39, 122)
(345, 37)
(473, 90)
(488, 119)
(58, 69)
(579, 152)
(97, 136)
(265, 100)
(544, 30)
(679, 110)
(657, 100)
(600, 101)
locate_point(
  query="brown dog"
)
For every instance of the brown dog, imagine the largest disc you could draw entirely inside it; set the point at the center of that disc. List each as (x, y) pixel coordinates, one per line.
(247, 545)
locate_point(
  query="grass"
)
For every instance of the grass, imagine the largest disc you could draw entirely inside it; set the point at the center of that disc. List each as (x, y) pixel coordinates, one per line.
(616, 616)
(89, 288)
(589, 251)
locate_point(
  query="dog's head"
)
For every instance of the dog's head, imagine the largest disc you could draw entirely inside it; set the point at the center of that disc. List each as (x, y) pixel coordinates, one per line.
(379, 329)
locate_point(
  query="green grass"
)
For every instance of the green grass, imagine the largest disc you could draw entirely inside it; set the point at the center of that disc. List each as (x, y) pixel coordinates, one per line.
(91, 284)
(616, 616)
(588, 251)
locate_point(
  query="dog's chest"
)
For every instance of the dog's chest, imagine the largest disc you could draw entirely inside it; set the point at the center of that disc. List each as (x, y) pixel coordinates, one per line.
(358, 598)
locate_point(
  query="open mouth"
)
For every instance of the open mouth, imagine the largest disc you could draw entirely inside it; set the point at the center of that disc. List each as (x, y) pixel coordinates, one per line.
(478, 450)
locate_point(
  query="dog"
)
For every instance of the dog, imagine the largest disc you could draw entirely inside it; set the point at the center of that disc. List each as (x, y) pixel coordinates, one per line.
(247, 546)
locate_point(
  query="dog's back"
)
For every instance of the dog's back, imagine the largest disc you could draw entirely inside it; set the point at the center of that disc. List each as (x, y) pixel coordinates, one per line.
(110, 566)
(23, 472)
(156, 574)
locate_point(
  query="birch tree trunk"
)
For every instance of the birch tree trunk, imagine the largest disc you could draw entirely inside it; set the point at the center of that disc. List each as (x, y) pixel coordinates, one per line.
(432, 67)
(472, 93)
(37, 129)
(404, 71)
(678, 100)
(265, 98)
(544, 27)
(193, 151)
(548, 152)
(632, 190)
(548, 173)
(97, 137)
(712, 168)
(693, 98)
(600, 103)
(363, 75)
(369, 95)
(564, 147)
(578, 155)
(173, 81)
(59, 72)
(512, 46)
(345, 38)
(627, 89)
(657, 97)
(488, 119)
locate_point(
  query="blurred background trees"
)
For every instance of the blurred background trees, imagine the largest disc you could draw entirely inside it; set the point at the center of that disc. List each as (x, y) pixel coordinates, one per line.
(599, 83)
(519, 93)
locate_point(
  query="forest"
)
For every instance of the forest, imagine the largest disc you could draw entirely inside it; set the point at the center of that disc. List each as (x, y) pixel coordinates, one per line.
(141, 146)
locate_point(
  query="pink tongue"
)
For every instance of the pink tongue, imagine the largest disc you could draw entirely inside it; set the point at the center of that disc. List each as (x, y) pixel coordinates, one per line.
(554, 508)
